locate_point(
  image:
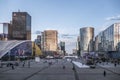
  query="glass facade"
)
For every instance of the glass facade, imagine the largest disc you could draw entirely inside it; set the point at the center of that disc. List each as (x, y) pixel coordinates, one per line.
(108, 40)
(21, 26)
(86, 39)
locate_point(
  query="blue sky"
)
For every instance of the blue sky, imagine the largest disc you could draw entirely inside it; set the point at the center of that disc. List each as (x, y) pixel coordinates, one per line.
(66, 16)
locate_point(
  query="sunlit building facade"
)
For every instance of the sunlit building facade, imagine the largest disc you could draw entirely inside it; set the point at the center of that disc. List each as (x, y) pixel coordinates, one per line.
(50, 40)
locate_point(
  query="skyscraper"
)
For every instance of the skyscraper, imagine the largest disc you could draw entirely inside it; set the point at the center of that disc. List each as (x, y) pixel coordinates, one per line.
(86, 40)
(21, 26)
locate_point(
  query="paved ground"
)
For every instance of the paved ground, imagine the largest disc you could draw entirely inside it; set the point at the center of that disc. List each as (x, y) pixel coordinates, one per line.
(45, 71)
(96, 74)
(110, 67)
(56, 72)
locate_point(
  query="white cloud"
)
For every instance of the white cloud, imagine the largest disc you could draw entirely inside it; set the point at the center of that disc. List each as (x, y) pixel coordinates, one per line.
(113, 18)
(109, 21)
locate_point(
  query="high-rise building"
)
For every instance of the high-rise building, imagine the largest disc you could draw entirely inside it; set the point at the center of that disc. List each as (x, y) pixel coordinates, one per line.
(50, 40)
(109, 39)
(21, 26)
(86, 40)
(107, 42)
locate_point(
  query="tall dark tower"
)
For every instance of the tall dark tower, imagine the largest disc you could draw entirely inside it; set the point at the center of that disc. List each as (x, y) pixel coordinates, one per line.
(21, 26)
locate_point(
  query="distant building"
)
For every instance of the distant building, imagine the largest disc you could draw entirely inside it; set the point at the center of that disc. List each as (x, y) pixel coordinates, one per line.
(38, 41)
(42, 41)
(21, 26)
(5, 35)
(78, 45)
(86, 40)
(50, 40)
(62, 47)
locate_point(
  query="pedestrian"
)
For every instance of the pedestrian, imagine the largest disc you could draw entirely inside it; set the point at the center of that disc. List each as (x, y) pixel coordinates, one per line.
(115, 64)
(104, 73)
(23, 64)
(63, 66)
(73, 67)
(12, 66)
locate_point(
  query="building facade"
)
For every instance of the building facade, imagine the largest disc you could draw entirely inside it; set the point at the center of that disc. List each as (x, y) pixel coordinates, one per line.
(38, 41)
(86, 40)
(50, 40)
(5, 34)
(21, 26)
(109, 39)
(107, 42)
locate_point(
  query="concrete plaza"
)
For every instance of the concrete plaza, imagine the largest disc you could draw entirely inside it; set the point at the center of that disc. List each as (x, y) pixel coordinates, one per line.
(43, 70)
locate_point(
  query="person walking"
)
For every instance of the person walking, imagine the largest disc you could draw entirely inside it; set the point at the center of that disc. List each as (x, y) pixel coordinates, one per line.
(73, 67)
(23, 64)
(115, 64)
(104, 73)
(63, 66)
(12, 66)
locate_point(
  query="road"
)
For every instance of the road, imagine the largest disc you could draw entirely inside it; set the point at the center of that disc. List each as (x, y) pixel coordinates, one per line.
(55, 71)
